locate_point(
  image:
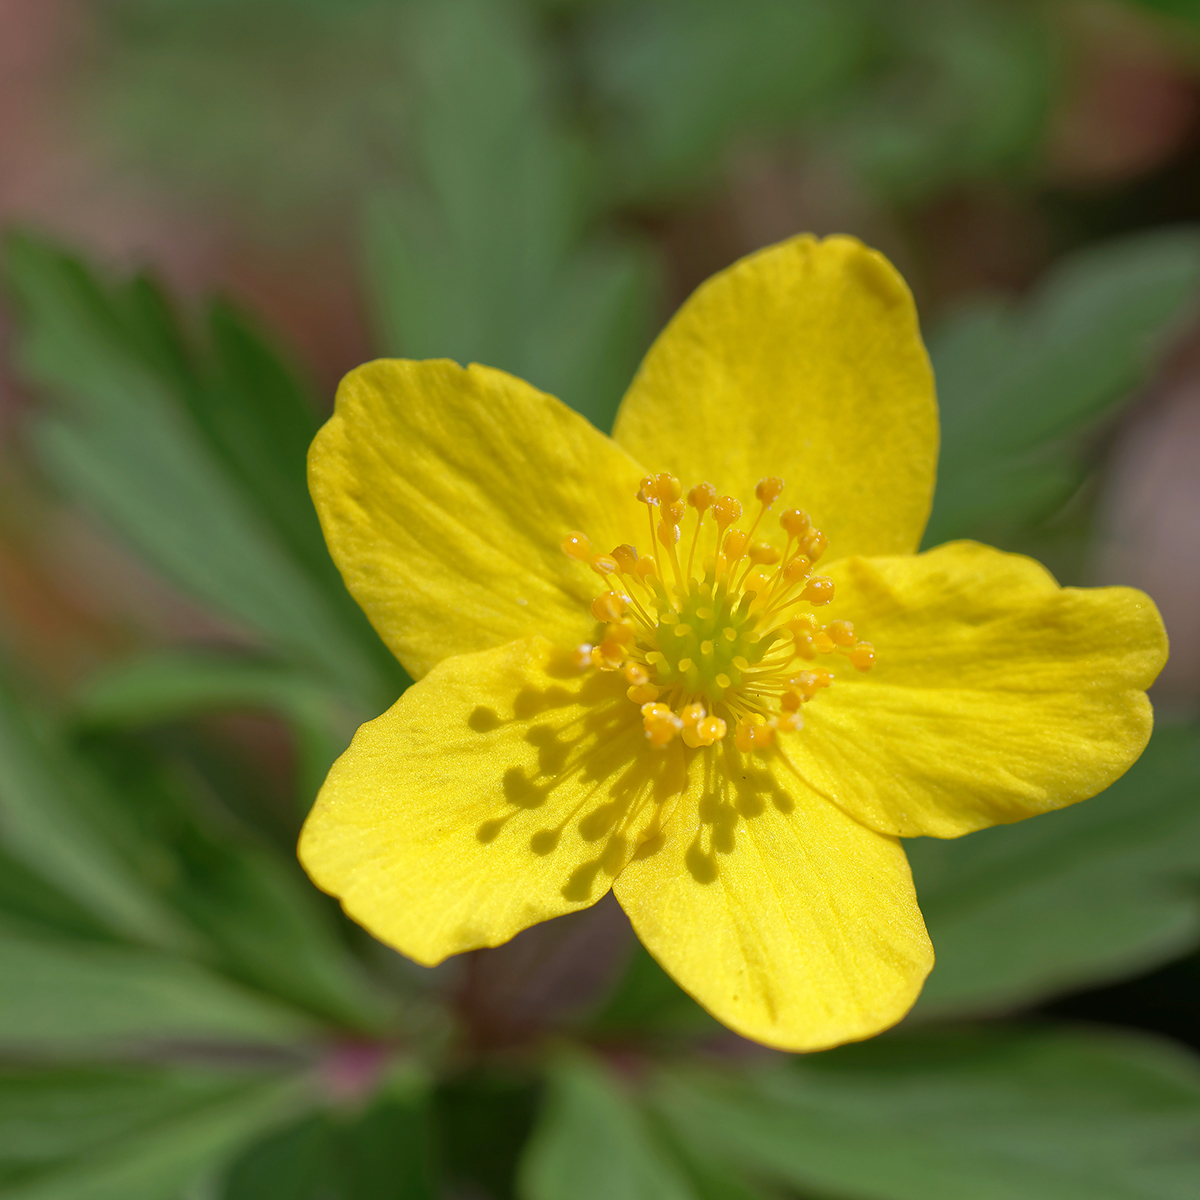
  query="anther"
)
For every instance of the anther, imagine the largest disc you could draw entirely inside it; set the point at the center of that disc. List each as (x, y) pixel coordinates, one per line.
(842, 633)
(577, 546)
(702, 496)
(582, 656)
(795, 569)
(667, 488)
(626, 558)
(610, 606)
(735, 544)
(726, 510)
(603, 565)
(814, 544)
(818, 591)
(862, 656)
(635, 673)
(668, 534)
(764, 554)
(750, 736)
(646, 567)
(769, 490)
(796, 522)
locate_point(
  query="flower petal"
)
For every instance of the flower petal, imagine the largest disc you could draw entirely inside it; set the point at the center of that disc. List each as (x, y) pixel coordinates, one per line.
(805, 361)
(445, 494)
(503, 789)
(786, 919)
(996, 694)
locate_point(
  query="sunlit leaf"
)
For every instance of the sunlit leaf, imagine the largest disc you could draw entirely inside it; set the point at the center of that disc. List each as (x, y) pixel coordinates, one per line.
(120, 438)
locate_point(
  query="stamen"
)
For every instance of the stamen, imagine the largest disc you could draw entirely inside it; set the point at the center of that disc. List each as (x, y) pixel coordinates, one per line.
(719, 651)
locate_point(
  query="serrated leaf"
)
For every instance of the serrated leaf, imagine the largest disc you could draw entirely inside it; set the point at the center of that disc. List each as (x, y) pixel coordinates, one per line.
(1090, 893)
(593, 1143)
(51, 821)
(1020, 386)
(121, 440)
(127, 1133)
(261, 921)
(993, 1115)
(174, 685)
(64, 995)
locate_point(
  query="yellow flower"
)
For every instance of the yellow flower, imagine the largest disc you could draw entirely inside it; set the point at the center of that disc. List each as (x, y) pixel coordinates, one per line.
(622, 684)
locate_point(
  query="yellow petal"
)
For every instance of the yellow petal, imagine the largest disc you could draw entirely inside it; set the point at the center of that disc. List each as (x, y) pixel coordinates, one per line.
(791, 923)
(445, 494)
(804, 361)
(502, 789)
(996, 694)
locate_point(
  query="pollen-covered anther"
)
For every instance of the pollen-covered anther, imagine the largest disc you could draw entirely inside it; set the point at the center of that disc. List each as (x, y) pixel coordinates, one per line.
(814, 544)
(702, 496)
(818, 591)
(726, 510)
(841, 633)
(735, 544)
(769, 490)
(660, 723)
(610, 606)
(614, 649)
(604, 564)
(763, 554)
(751, 735)
(796, 522)
(626, 558)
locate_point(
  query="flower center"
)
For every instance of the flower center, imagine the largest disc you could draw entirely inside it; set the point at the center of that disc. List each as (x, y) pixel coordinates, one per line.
(716, 638)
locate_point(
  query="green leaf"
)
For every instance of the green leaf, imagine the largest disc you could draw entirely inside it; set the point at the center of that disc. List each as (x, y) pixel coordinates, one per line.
(682, 78)
(61, 995)
(1105, 888)
(993, 1115)
(262, 922)
(175, 685)
(380, 1154)
(593, 1143)
(52, 822)
(128, 1133)
(492, 258)
(960, 91)
(120, 438)
(1021, 386)
(648, 1000)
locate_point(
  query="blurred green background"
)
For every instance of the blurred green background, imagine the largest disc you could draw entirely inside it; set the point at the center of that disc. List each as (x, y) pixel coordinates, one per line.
(214, 208)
